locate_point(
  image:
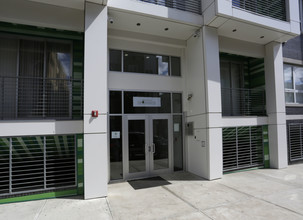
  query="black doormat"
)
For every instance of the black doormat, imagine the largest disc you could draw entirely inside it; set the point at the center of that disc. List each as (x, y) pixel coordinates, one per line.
(148, 182)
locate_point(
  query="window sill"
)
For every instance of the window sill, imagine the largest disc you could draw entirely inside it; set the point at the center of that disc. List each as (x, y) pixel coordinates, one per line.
(294, 105)
(144, 74)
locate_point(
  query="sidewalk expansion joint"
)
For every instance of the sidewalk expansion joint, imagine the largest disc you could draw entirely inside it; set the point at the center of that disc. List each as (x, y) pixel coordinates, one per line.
(259, 198)
(188, 203)
(109, 208)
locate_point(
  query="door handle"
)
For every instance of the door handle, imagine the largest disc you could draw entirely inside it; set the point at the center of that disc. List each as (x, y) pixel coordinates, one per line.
(154, 148)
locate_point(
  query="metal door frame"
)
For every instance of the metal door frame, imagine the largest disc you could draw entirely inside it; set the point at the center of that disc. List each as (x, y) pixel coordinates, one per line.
(149, 162)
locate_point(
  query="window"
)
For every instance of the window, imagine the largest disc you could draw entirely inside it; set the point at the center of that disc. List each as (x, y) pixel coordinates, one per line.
(36, 78)
(293, 83)
(115, 58)
(134, 62)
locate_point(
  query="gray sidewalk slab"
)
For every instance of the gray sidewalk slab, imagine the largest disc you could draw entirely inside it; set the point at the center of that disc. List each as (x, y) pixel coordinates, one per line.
(256, 194)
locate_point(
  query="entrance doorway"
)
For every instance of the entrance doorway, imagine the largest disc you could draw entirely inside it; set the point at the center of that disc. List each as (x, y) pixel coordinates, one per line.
(148, 147)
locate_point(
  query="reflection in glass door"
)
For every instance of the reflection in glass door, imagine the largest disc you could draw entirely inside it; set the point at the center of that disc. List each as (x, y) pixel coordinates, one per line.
(136, 146)
(160, 144)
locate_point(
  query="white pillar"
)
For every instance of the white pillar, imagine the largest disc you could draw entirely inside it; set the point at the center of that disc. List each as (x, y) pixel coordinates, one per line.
(213, 102)
(95, 98)
(275, 103)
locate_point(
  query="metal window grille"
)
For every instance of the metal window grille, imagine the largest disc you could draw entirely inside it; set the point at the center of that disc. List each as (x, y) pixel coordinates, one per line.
(38, 98)
(242, 148)
(193, 6)
(295, 141)
(243, 102)
(36, 164)
(270, 8)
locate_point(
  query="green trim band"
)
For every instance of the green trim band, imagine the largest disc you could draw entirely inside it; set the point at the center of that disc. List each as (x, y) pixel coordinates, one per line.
(48, 195)
(243, 170)
(266, 147)
(40, 31)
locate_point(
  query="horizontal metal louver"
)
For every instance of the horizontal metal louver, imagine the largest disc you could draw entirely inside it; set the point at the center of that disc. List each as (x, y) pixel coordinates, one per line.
(270, 8)
(295, 141)
(27, 164)
(60, 162)
(193, 6)
(4, 165)
(37, 164)
(242, 148)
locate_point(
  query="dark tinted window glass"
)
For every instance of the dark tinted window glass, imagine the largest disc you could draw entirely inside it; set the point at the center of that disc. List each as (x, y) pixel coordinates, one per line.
(178, 142)
(116, 167)
(175, 66)
(147, 102)
(146, 63)
(136, 143)
(115, 60)
(115, 100)
(177, 103)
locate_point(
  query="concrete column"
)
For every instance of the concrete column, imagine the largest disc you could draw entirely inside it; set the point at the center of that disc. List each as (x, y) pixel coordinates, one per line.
(213, 101)
(95, 98)
(275, 99)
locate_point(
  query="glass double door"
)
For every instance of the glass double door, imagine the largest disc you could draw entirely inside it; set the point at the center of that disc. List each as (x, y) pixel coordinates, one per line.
(148, 148)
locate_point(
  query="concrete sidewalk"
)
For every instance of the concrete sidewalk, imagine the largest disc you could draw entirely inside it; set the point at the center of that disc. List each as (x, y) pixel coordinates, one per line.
(257, 194)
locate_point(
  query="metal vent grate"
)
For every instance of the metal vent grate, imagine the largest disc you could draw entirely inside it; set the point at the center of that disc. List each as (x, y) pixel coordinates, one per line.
(295, 141)
(34, 164)
(271, 8)
(242, 148)
(193, 6)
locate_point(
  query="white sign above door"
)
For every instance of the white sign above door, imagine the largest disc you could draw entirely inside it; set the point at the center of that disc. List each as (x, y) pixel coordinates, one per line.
(146, 102)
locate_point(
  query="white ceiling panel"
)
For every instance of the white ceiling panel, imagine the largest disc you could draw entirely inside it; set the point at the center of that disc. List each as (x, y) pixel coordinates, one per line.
(149, 25)
(76, 4)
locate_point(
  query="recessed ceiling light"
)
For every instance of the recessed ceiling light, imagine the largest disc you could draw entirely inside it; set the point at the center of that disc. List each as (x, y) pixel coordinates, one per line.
(166, 29)
(234, 30)
(138, 24)
(262, 37)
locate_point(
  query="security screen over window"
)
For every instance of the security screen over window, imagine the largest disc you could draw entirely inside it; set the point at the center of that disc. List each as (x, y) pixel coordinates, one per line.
(293, 83)
(134, 62)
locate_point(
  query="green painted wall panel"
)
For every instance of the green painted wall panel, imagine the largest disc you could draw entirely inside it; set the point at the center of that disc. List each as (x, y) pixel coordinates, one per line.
(266, 147)
(40, 196)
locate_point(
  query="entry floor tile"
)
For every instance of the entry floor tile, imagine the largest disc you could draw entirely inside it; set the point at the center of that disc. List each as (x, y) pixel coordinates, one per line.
(253, 184)
(252, 209)
(151, 203)
(22, 210)
(293, 175)
(290, 199)
(75, 208)
(205, 195)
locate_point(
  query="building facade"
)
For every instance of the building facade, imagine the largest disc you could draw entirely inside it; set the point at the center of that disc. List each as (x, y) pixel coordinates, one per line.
(293, 61)
(96, 91)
